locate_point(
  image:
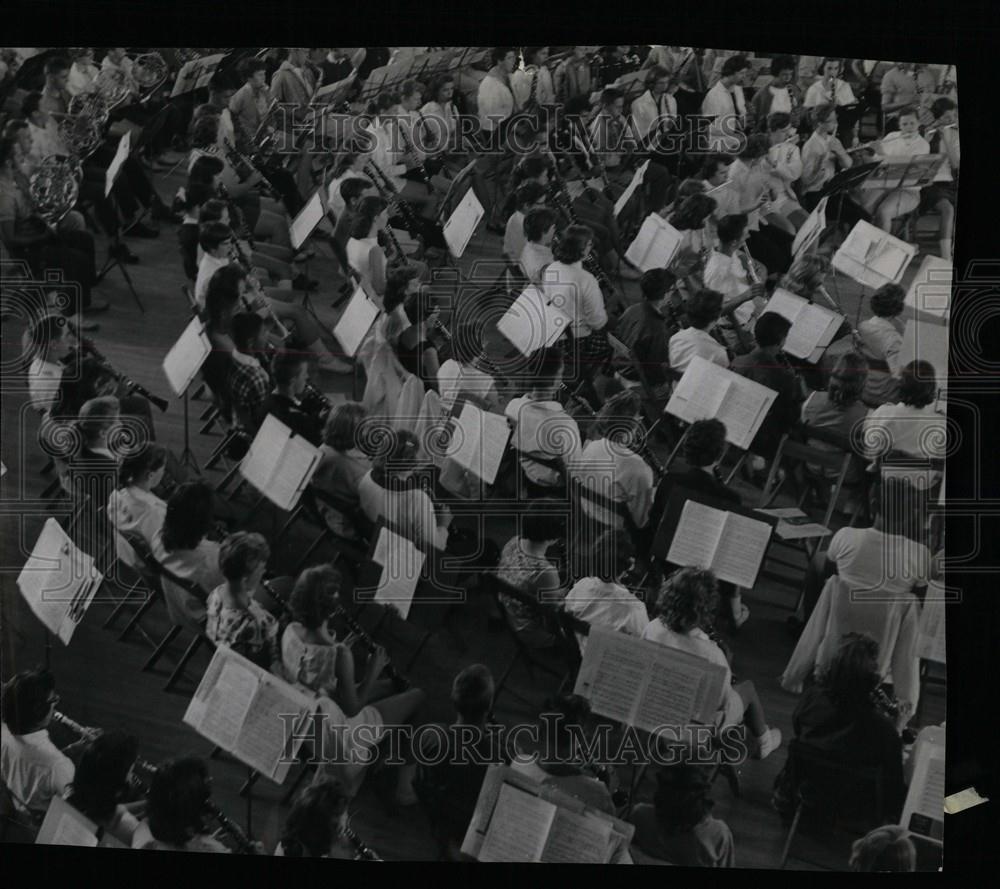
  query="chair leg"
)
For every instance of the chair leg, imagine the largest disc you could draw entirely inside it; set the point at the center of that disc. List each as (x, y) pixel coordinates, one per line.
(137, 617)
(247, 785)
(119, 605)
(183, 662)
(312, 548)
(292, 519)
(172, 634)
(791, 836)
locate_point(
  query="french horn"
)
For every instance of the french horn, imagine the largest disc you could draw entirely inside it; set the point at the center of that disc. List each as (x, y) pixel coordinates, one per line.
(55, 186)
(113, 86)
(149, 70)
(91, 105)
(81, 134)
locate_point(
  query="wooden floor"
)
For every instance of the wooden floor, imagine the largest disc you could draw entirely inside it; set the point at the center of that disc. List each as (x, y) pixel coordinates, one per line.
(100, 680)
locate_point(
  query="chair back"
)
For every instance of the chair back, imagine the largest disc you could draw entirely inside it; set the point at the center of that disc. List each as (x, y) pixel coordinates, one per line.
(806, 459)
(177, 591)
(849, 794)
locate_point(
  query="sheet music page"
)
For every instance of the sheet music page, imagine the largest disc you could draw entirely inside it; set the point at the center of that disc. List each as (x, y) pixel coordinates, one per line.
(461, 225)
(306, 220)
(743, 409)
(887, 260)
(811, 229)
(54, 575)
(531, 323)
(927, 342)
(261, 743)
(741, 550)
(229, 703)
(655, 244)
(931, 639)
(813, 329)
(195, 712)
(65, 826)
(681, 688)
(519, 827)
(114, 168)
(489, 793)
(478, 441)
(613, 673)
(624, 197)
(264, 457)
(785, 303)
(89, 584)
(930, 289)
(186, 356)
(298, 462)
(701, 391)
(401, 563)
(355, 322)
(930, 801)
(698, 535)
(577, 838)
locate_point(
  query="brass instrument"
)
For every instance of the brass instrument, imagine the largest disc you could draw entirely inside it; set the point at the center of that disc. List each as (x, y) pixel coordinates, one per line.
(400, 681)
(149, 70)
(54, 187)
(82, 133)
(362, 852)
(244, 845)
(114, 87)
(92, 105)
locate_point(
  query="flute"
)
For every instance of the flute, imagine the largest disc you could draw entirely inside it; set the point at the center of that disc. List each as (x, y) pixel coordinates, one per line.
(391, 672)
(362, 852)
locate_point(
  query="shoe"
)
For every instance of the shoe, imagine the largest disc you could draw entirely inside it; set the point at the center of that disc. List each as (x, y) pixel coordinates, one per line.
(743, 617)
(333, 365)
(123, 254)
(766, 744)
(96, 307)
(141, 230)
(301, 282)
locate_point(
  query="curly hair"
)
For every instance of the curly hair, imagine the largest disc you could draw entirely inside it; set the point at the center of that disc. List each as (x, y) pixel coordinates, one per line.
(887, 301)
(101, 776)
(681, 798)
(688, 599)
(572, 245)
(886, 849)
(693, 212)
(309, 830)
(704, 442)
(177, 797)
(314, 595)
(851, 677)
(241, 553)
(847, 379)
(917, 384)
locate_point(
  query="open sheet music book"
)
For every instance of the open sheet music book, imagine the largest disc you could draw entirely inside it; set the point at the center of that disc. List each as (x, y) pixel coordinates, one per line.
(931, 641)
(58, 581)
(209, 65)
(811, 229)
(708, 391)
(930, 289)
(455, 380)
(794, 524)
(532, 322)
(873, 257)
(307, 219)
(813, 327)
(645, 684)
(520, 820)
(65, 825)
(250, 713)
(355, 322)
(279, 463)
(927, 342)
(186, 356)
(904, 172)
(923, 811)
(656, 244)
(635, 182)
(478, 441)
(729, 544)
(401, 562)
(115, 167)
(463, 222)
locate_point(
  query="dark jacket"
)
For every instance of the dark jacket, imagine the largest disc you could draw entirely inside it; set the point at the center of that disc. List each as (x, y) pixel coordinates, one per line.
(762, 367)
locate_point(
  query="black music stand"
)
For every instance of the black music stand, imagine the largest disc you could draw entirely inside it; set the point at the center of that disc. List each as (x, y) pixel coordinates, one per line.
(115, 251)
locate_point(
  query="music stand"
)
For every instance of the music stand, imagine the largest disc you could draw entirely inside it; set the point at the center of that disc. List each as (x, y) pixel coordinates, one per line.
(180, 366)
(114, 254)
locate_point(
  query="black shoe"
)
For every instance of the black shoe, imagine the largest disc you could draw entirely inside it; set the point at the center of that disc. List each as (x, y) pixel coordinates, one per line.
(141, 230)
(96, 307)
(123, 254)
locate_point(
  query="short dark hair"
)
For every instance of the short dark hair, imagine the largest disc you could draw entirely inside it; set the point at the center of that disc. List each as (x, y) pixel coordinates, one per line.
(499, 53)
(396, 283)
(241, 553)
(693, 211)
(821, 113)
(245, 328)
(177, 797)
(770, 329)
(610, 95)
(733, 65)
(681, 800)
(731, 227)
(537, 221)
(472, 693)
(529, 192)
(286, 364)
(30, 103)
(340, 430)
(655, 283)
(756, 145)
(249, 67)
(888, 300)
(197, 194)
(136, 467)
(212, 209)
(368, 211)
(25, 702)
(212, 235)
(917, 384)
(704, 307)
(572, 244)
(852, 675)
(56, 64)
(309, 830)
(657, 72)
(223, 293)
(941, 105)
(705, 442)
(531, 168)
(711, 163)
(550, 363)
(205, 169)
(353, 187)
(909, 111)
(410, 87)
(782, 63)
(314, 595)
(189, 517)
(778, 120)
(688, 599)
(529, 52)
(611, 555)
(204, 130)
(101, 775)
(540, 523)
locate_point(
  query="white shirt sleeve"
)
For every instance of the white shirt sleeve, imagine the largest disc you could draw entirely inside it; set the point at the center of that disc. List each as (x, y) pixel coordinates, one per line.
(595, 316)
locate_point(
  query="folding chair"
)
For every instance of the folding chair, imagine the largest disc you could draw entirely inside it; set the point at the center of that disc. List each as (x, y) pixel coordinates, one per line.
(310, 508)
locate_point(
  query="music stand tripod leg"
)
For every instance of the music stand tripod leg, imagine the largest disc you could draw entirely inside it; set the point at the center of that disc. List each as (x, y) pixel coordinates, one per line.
(187, 457)
(114, 257)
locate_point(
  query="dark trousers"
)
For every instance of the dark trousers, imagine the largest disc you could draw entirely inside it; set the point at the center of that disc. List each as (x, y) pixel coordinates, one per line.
(71, 254)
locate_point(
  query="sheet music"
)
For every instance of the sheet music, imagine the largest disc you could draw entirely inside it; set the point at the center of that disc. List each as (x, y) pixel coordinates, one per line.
(886, 259)
(401, 563)
(636, 181)
(114, 168)
(228, 704)
(478, 441)
(612, 674)
(676, 692)
(927, 342)
(931, 800)
(743, 409)
(923, 810)
(262, 738)
(279, 464)
(355, 322)
(307, 219)
(462, 224)
(531, 323)
(873, 257)
(811, 229)
(700, 392)
(930, 289)
(64, 825)
(698, 535)
(519, 827)
(812, 331)
(186, 356)
(655, 245)
(742, 546)
(931, 638)
(785, 303)
(577, 838)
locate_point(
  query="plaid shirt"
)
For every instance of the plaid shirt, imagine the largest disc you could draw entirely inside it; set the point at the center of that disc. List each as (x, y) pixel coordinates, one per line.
(249, 386)
(252, 633)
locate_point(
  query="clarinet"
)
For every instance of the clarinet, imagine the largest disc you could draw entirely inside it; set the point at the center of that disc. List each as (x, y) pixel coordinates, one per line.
(274, 594)
(421, 169)
(390, 671)
(389, 194)
(87, 347)
(314, 402)
(361, 851)
(89, 733)
(885, 703)
(244, 845)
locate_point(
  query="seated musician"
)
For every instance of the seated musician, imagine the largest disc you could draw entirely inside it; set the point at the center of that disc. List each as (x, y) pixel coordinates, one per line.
(539, 228)
(364, 253)
(351, 190)
(610, 466)
(572, 78)
(83, 72)
(533, 169)
(439, 138)
(93, 467)
(51, 343)
(656, 109)
(416, 351)
(899, 89)
(462, 375)
(839, 409)
(342, 464)
(389, 492)
(532, 84)
(703, 310)
(780, 96)
(913, 426)
(349, 165)
(692, 215)
(541, 425)
(647, 328)
(101, 783)
(133, 507)
(730, 271)
(315, 825)
(942, 193)
(725, 105)
(290, 371)
(599, 597)
(881, 341)
(183, 548)
(886, 205)
(822, 154)
(687, 605)
(529, 195)
(607, 133)
(316, 660)
(785, 162)
(178, 809)
(250, 104)
(33, 769)
(769, 234)
(249, 382)
(195, 197)
(840, 717)
(678, 827)
(830, 89)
